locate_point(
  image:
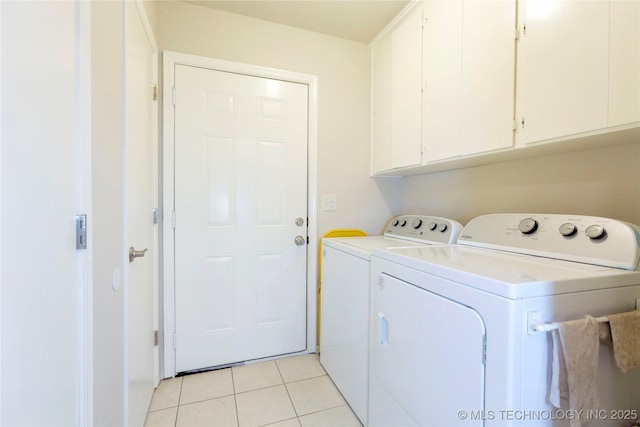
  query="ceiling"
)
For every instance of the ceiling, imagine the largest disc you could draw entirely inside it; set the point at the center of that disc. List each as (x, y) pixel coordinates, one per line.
(357, 20)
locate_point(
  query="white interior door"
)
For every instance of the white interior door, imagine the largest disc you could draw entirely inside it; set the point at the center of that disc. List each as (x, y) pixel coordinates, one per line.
(240, 185)
(141, 231)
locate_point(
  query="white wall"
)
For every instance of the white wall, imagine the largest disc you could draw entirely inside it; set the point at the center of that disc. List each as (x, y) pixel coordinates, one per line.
(602, 182)
(343, 70)
(43, 353)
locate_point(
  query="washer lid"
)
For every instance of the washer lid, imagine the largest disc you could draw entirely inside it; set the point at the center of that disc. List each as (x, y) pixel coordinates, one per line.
(364, 245)
(509, 275)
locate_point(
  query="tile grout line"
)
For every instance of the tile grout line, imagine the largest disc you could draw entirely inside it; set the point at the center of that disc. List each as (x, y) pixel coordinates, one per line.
(235, 399)
(175, 422)
(288, 394)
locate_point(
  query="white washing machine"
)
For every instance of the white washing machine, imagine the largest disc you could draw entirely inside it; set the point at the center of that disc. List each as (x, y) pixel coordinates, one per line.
(344, 330)
(453, 328)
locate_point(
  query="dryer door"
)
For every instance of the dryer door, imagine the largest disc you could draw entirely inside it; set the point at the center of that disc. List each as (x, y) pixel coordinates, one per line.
(427, 358)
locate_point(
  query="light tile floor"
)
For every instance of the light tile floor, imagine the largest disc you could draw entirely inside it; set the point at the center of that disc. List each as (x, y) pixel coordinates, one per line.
(290, 392)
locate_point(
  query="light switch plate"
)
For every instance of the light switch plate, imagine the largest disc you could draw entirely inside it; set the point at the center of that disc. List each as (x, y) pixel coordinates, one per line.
(329, 202)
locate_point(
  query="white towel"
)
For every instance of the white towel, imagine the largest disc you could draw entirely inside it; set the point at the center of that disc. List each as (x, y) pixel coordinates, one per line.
(559, 388)
(575, 366)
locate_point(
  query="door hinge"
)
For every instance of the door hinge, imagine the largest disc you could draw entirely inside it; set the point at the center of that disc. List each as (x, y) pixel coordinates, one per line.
(81, 231)
(522, 123)
(154, 215)
(155, 92)
(173, 96)
(155, 338)
(515, 125)
(173, 219)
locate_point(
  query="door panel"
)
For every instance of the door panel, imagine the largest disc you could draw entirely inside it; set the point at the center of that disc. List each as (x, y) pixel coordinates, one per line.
(141, 357)
(240, 183)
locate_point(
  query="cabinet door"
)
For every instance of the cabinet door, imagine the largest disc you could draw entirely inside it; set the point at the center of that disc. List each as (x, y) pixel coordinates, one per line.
(563, 61)
(624, 70)
(381, 105)
(406, 93)
(488, 73)
(469, 68)
(442, 68)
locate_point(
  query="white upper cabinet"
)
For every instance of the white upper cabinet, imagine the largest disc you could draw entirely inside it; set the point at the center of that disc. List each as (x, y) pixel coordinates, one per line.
(458, 83)
(406, 93)
(442, 73)
(488, 74)
(396, 95)
(381, 106)
(577, 67)
(468, 77)
(624, 63)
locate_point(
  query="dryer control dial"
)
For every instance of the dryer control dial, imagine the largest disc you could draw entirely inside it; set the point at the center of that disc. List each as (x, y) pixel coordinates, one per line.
(595, 232)
(567, 229)
(432, 226)
(528, 226)
(417, 223)
(443, 228)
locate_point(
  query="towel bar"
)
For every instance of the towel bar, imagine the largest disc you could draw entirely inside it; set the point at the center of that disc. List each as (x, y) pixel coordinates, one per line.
(546, 327)
(535, 322)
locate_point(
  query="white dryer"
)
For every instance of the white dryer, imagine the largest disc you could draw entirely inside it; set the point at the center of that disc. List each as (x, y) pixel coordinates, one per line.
(344, 330)
(453, 328)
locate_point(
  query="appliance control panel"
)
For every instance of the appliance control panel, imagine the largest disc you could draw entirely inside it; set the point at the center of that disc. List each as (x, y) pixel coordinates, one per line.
(421, 228)
(592, 240)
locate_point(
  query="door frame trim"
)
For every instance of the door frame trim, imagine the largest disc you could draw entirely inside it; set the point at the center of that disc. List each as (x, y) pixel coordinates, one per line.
(167, 244)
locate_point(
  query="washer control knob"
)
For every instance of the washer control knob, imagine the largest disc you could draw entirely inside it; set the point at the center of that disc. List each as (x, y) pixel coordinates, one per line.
(595, 232)
(528, 226)
(395, 222)
(403, 222)
(443, 228)
(432, 226)
(417, 223)
(567, 229)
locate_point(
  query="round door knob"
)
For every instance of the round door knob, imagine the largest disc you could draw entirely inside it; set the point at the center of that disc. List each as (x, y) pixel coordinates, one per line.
(528, 226)
(595, 232)
(300, 240)
(299, 222)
